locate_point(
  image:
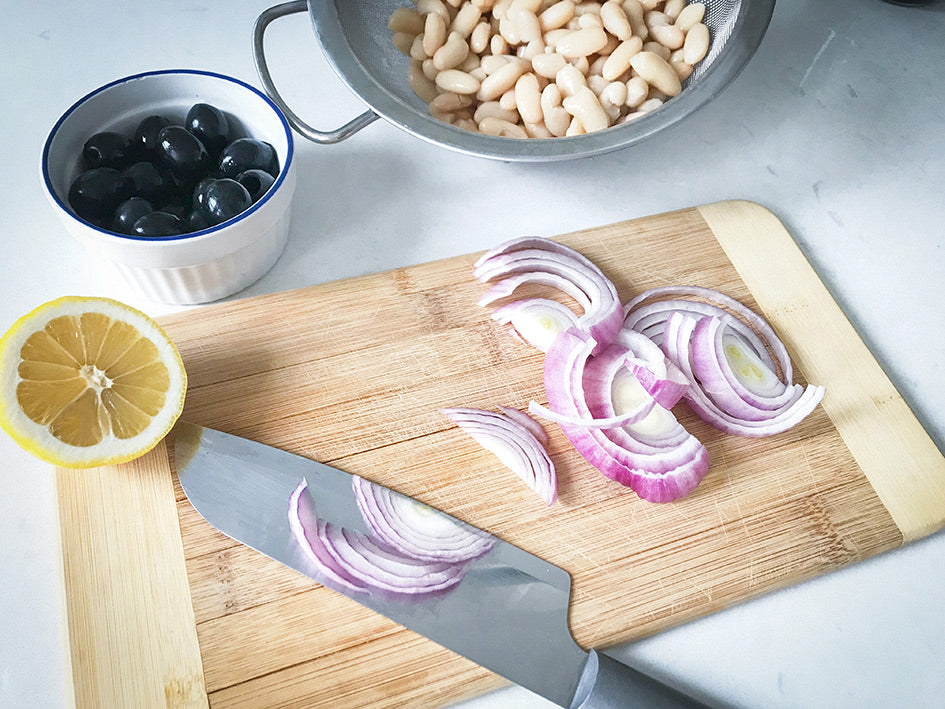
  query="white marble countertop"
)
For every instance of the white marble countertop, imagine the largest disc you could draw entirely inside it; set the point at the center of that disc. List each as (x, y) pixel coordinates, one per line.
(837, 125)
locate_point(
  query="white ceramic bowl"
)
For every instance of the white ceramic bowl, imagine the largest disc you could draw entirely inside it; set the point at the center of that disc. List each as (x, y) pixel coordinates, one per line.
(191, 268)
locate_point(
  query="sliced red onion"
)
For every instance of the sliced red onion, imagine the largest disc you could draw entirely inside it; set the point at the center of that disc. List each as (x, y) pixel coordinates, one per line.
(528, 422)
(513, 444)
(416, 529)
(355, 561)
(539, 260)
(659, 462)
(715, 399)
(536, 320)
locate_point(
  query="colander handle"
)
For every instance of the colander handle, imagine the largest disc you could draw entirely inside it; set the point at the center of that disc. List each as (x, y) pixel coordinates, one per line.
(259, 55)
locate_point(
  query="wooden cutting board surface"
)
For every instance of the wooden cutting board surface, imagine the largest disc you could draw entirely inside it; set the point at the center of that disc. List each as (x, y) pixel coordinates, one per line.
(164, 610)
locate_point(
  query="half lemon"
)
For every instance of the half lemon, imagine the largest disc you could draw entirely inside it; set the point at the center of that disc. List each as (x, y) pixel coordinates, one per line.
(89, 381)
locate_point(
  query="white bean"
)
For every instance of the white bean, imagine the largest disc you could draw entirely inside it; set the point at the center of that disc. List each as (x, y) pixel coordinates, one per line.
(613, 98)
(500, 81)
(657, 72)
(575, 127)
(450, 102)
(507, 100)
(425, 7)
(498, 45)
(429, 70)
(528, 98)
(637, 90)
(434, 33)
(635, 16)
(615, 20)
(651, 104)
(585, 106)
(403, 42)
(657, 48)
(466, 20)
(453, 52)
(526, 24)
(491, 63)
(556, 16)
(479, 39)
(500, 128)
(690, 15)
(549, 64)
(407, 20)
(458, 82)
(696, 45)
(582, 42)
(672, 8)
(532, 49)
(538, 130)
(619, 60)
(570, 80)
(421, 85)
(492, 109)
(669, 36)
(557, 119)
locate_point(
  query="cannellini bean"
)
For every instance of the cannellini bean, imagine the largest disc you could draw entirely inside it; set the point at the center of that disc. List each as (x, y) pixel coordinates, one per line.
(500, 128)
(672, 8)
(501, 80)
(466, 20)
(538, 130)
(635, 16)
(492, 109)
(416, 49)
(459, 82)
(585, 106)
(619, 60)
(655, 18)
(575, 127)
(532, 49)
(657, 72)
(407, 20)
(615, 20)
(425, 7)
(507, 100)
(650, 4)
(651, 104)
(589, 20)
(696, 45)
(526, 23)
(549, 64)
(556, 16)
(403, 42)
(470, 63)
(421, 85)
(690, 15)
(582, 42)
(682, 69)
(570, 79)
(429, 70)
(434, 33)
(557, 119)
(657, 48)
(509, 31)
(637, 91)
(596, 83)
(587, 8)
(613, 98)
(479, 39)
(453, 52)
(528, 98)
(467, 124)
(450, 102)
(498, 45)
(669, 36)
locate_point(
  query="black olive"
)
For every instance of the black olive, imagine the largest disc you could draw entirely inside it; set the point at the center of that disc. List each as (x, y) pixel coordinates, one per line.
(196, 221)
(129, 212)
(145, 138)
(159, 224)
(96, 193)
(247, 154)
(183, 153)
(199, 196)
(256, 182)
(106, 149)
(210, 125)
(224, 199)
(151, 183)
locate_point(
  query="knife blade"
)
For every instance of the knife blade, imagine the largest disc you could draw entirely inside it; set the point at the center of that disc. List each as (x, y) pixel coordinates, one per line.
(508, 613)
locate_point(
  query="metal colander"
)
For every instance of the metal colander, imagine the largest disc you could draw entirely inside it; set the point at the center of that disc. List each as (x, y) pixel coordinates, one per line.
(357, 42)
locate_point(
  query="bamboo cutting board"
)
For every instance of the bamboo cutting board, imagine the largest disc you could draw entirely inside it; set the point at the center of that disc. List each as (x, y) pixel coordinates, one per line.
(164, 610)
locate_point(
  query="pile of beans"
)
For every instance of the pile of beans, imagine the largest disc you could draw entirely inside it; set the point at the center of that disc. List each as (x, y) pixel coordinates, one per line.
(548, 68)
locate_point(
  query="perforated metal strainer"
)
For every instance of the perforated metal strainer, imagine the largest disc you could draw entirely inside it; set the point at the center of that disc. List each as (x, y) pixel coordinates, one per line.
(357, 42)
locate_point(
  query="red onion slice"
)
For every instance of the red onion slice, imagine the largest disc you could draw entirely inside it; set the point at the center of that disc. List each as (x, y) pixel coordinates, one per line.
(415, 529)
(355, 561)
(513, 444)
(536, 321)
(539, 260)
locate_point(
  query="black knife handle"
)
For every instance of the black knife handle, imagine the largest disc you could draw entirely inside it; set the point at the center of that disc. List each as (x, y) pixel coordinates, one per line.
(609, 684)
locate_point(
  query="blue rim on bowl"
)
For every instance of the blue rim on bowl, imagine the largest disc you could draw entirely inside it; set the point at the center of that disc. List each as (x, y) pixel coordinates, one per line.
(283, 168)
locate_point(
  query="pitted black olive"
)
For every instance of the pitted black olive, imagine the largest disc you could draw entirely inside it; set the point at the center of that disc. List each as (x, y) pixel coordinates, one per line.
(224, 199)
(129, 212)
(248, 154)
(150, 182)
(96, 193)
(159, 224)
(106, 149)
(210, 125)
(183, 154)
(256, 182)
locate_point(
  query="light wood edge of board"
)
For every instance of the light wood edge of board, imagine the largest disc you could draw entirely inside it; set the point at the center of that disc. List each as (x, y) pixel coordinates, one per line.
(131, 627)
(896, 454)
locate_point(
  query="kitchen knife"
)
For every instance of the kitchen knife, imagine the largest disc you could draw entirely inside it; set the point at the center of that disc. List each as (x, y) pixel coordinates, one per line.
(508, 613)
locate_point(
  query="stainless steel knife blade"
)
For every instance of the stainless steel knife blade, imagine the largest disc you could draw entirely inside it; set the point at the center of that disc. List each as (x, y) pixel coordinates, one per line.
(509, 613)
